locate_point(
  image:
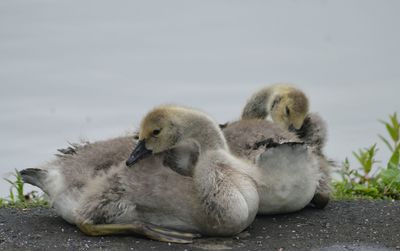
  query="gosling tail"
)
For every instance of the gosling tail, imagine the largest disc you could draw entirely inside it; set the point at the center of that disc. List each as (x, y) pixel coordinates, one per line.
(34, 176)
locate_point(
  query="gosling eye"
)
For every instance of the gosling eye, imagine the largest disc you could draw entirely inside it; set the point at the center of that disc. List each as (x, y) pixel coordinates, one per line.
(156, 132)
(287, 111)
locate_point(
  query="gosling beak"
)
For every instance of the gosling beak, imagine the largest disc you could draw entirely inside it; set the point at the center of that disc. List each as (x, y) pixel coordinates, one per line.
(138, 153)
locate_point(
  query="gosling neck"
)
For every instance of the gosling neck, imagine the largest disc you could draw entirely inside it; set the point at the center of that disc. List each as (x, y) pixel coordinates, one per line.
(205, 131)
(257, 106)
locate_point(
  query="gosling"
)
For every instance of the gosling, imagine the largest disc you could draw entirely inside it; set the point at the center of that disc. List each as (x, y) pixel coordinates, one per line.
(288, 107)
(182, 181)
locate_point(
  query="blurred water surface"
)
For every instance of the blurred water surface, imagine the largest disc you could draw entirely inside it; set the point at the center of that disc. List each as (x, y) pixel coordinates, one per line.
(72, 70)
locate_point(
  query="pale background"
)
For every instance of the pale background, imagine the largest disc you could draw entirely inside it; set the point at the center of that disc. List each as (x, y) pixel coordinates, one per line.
(91, 69)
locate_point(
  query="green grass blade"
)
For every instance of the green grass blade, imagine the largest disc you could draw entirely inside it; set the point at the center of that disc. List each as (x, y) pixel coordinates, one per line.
(394, 134)
(386, 142)
(12, 183)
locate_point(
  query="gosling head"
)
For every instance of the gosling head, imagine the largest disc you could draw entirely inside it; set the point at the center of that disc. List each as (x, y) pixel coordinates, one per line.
(289, 109)
(158, 132)
(165, 127)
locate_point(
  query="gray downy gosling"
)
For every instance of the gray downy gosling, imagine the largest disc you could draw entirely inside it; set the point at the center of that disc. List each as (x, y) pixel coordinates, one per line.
(90, 186)
(288, 107)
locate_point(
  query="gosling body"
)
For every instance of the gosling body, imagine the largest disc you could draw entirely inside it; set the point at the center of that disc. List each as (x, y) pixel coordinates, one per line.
(94, 186)
(288, 107)
(286, 170)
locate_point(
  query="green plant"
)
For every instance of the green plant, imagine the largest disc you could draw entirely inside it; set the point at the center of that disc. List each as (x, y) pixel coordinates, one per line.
(371, 179)
(17, 197)
(17, 185)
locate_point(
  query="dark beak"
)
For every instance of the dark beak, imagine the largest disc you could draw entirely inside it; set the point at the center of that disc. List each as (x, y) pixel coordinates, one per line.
(138, 153)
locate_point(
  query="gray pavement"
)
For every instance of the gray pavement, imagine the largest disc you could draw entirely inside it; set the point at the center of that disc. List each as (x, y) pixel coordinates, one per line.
(344, 225)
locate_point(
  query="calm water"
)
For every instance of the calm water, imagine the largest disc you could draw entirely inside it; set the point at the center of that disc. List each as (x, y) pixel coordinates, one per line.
(72, 70)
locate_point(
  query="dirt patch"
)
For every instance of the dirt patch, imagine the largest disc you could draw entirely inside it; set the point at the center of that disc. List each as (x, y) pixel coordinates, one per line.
(344, 225)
